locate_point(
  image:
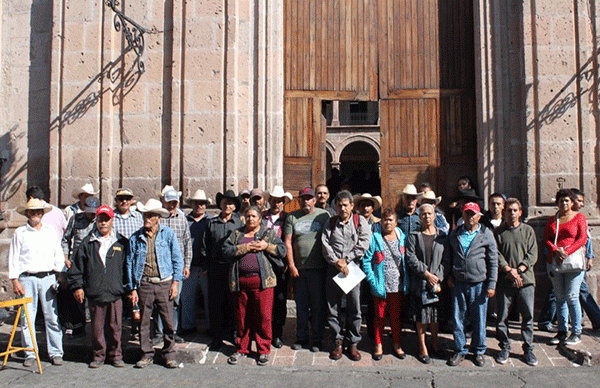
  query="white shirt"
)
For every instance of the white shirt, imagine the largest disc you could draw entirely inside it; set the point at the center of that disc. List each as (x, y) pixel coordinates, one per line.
(33, 251)
(105, 243)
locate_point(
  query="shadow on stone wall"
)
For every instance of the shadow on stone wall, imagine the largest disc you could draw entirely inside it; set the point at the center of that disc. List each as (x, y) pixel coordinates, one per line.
(10, 179)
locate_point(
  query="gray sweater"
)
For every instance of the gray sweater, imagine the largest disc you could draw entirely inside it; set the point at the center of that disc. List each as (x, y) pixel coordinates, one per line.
(480, 264)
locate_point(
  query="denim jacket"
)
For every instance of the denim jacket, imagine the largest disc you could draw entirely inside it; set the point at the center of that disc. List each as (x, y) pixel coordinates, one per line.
(168, 256)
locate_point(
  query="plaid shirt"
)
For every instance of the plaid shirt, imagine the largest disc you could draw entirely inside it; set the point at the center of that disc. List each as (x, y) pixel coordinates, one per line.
(268, 223)
(126, 225)
(179, 224)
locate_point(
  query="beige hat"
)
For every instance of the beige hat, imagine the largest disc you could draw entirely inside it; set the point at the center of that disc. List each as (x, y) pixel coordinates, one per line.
(368, 197)
(153, 206)
(34, 204)
(430, 196)
(88, 188)
(409, 190)
(279, 193)
(199, 195)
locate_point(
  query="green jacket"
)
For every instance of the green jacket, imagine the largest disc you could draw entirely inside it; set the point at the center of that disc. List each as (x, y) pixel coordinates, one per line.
(516, 246)
(233, 251)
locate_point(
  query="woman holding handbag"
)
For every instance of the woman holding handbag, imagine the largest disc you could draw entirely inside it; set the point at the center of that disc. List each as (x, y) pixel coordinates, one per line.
(565, 237)
(424, 253)
(384, 267)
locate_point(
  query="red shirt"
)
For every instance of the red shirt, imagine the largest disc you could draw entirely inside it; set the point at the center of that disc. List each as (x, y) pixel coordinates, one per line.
(572, 235)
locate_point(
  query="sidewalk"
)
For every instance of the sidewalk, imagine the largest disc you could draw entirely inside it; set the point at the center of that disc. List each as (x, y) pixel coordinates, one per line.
(196, 350)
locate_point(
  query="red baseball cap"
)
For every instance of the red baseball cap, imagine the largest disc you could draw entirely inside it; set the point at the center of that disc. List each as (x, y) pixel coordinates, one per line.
(106, 210)
(472, 206)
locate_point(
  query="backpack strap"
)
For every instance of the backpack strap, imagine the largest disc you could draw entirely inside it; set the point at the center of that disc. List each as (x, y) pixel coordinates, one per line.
(356, 220)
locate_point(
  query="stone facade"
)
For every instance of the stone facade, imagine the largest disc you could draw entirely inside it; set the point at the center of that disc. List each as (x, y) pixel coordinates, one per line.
(205, 110)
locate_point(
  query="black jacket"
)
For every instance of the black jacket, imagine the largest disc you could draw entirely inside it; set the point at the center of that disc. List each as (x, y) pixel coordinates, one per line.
(101, 283)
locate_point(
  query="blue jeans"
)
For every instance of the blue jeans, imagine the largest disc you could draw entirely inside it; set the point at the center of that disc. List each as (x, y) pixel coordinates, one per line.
(469, 298)
(566, 287)
(588, 304)
(39, 289)
(309, 292)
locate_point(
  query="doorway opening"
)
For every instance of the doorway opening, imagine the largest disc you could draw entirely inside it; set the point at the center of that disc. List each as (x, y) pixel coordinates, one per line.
(359, 168)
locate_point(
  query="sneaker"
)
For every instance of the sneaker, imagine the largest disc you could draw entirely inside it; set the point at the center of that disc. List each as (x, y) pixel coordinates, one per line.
(95, 364)
(56, 361)
(28, 363)
(502, 357)
(143, 362)
(530, 358)
(171, 364)
(455, 359)
(178, 339)
(557, 339)
(263, 360)
(550, 328)
(573, 339)
(118, 363)
(479, 360)
(235, 358)
(299, 345)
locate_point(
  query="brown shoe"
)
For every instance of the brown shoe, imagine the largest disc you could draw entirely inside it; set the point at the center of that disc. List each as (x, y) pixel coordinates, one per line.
(337, 352)
(353, 353)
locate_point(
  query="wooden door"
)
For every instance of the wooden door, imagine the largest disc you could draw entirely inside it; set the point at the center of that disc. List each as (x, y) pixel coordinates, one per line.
(409, 144)
(304, 144)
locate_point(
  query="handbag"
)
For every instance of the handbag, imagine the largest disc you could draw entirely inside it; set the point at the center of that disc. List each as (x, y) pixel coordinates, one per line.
(427, 295)
(575, 262)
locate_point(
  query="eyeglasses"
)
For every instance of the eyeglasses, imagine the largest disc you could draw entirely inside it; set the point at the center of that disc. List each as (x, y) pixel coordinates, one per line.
(121, 199)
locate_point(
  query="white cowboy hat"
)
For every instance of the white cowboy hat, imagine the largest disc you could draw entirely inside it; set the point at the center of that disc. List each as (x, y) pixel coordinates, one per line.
(87, 188)
(199, 195)
(34, 204)
(153, 206)
(409, 190)
(279, 193)
(168, 188)
(366, 196)
(430, 195)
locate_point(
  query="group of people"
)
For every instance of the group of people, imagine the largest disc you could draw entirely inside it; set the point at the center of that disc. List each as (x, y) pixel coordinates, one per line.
(418, 264)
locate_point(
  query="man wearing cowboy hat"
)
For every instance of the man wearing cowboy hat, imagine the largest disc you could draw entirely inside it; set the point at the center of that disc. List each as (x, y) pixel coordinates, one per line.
(35, 262)
(408, 219)
(127, 219)
(197, 222)
(440, 222)
(220, 304)
(274, 218)
(72, 315)
(154, 269)
(55, 217)
(80, 194)
(178, 222)
(366, 204)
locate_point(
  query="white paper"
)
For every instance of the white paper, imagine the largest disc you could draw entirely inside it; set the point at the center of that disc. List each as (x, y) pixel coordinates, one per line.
(354, 277)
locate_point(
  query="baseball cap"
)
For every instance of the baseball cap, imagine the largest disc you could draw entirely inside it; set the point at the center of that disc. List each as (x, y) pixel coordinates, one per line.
(171, 195)
(472, 206)
(307, 192)
(256, 193)
(91, 204)
(104, 209)
(124, 192)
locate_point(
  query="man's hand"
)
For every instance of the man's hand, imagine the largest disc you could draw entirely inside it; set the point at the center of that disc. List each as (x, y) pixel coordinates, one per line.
(513, 275)
(294, 272)
(18, 287)
(133, 297)
(79, 295)
(67, 262)
(342, 266)
(590, 264)
(491, 293)
(173, 290)
(186, 273)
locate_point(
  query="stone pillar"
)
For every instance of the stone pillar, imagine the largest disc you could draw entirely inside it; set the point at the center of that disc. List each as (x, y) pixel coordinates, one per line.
(335, 121)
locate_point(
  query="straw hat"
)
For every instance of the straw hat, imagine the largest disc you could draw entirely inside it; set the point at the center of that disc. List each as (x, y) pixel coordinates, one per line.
(153, 206)
(368, 197)
(85, 189)
(279, 193)
(34, 204)
(199, 195)
(430, 196)
(409, 190)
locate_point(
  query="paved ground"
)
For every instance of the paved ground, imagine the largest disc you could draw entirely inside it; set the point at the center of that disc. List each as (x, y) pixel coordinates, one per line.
(195, 351)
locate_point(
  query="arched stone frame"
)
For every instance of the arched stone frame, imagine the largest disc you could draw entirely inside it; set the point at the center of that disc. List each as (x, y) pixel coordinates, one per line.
(332, 150)
(354, 138)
